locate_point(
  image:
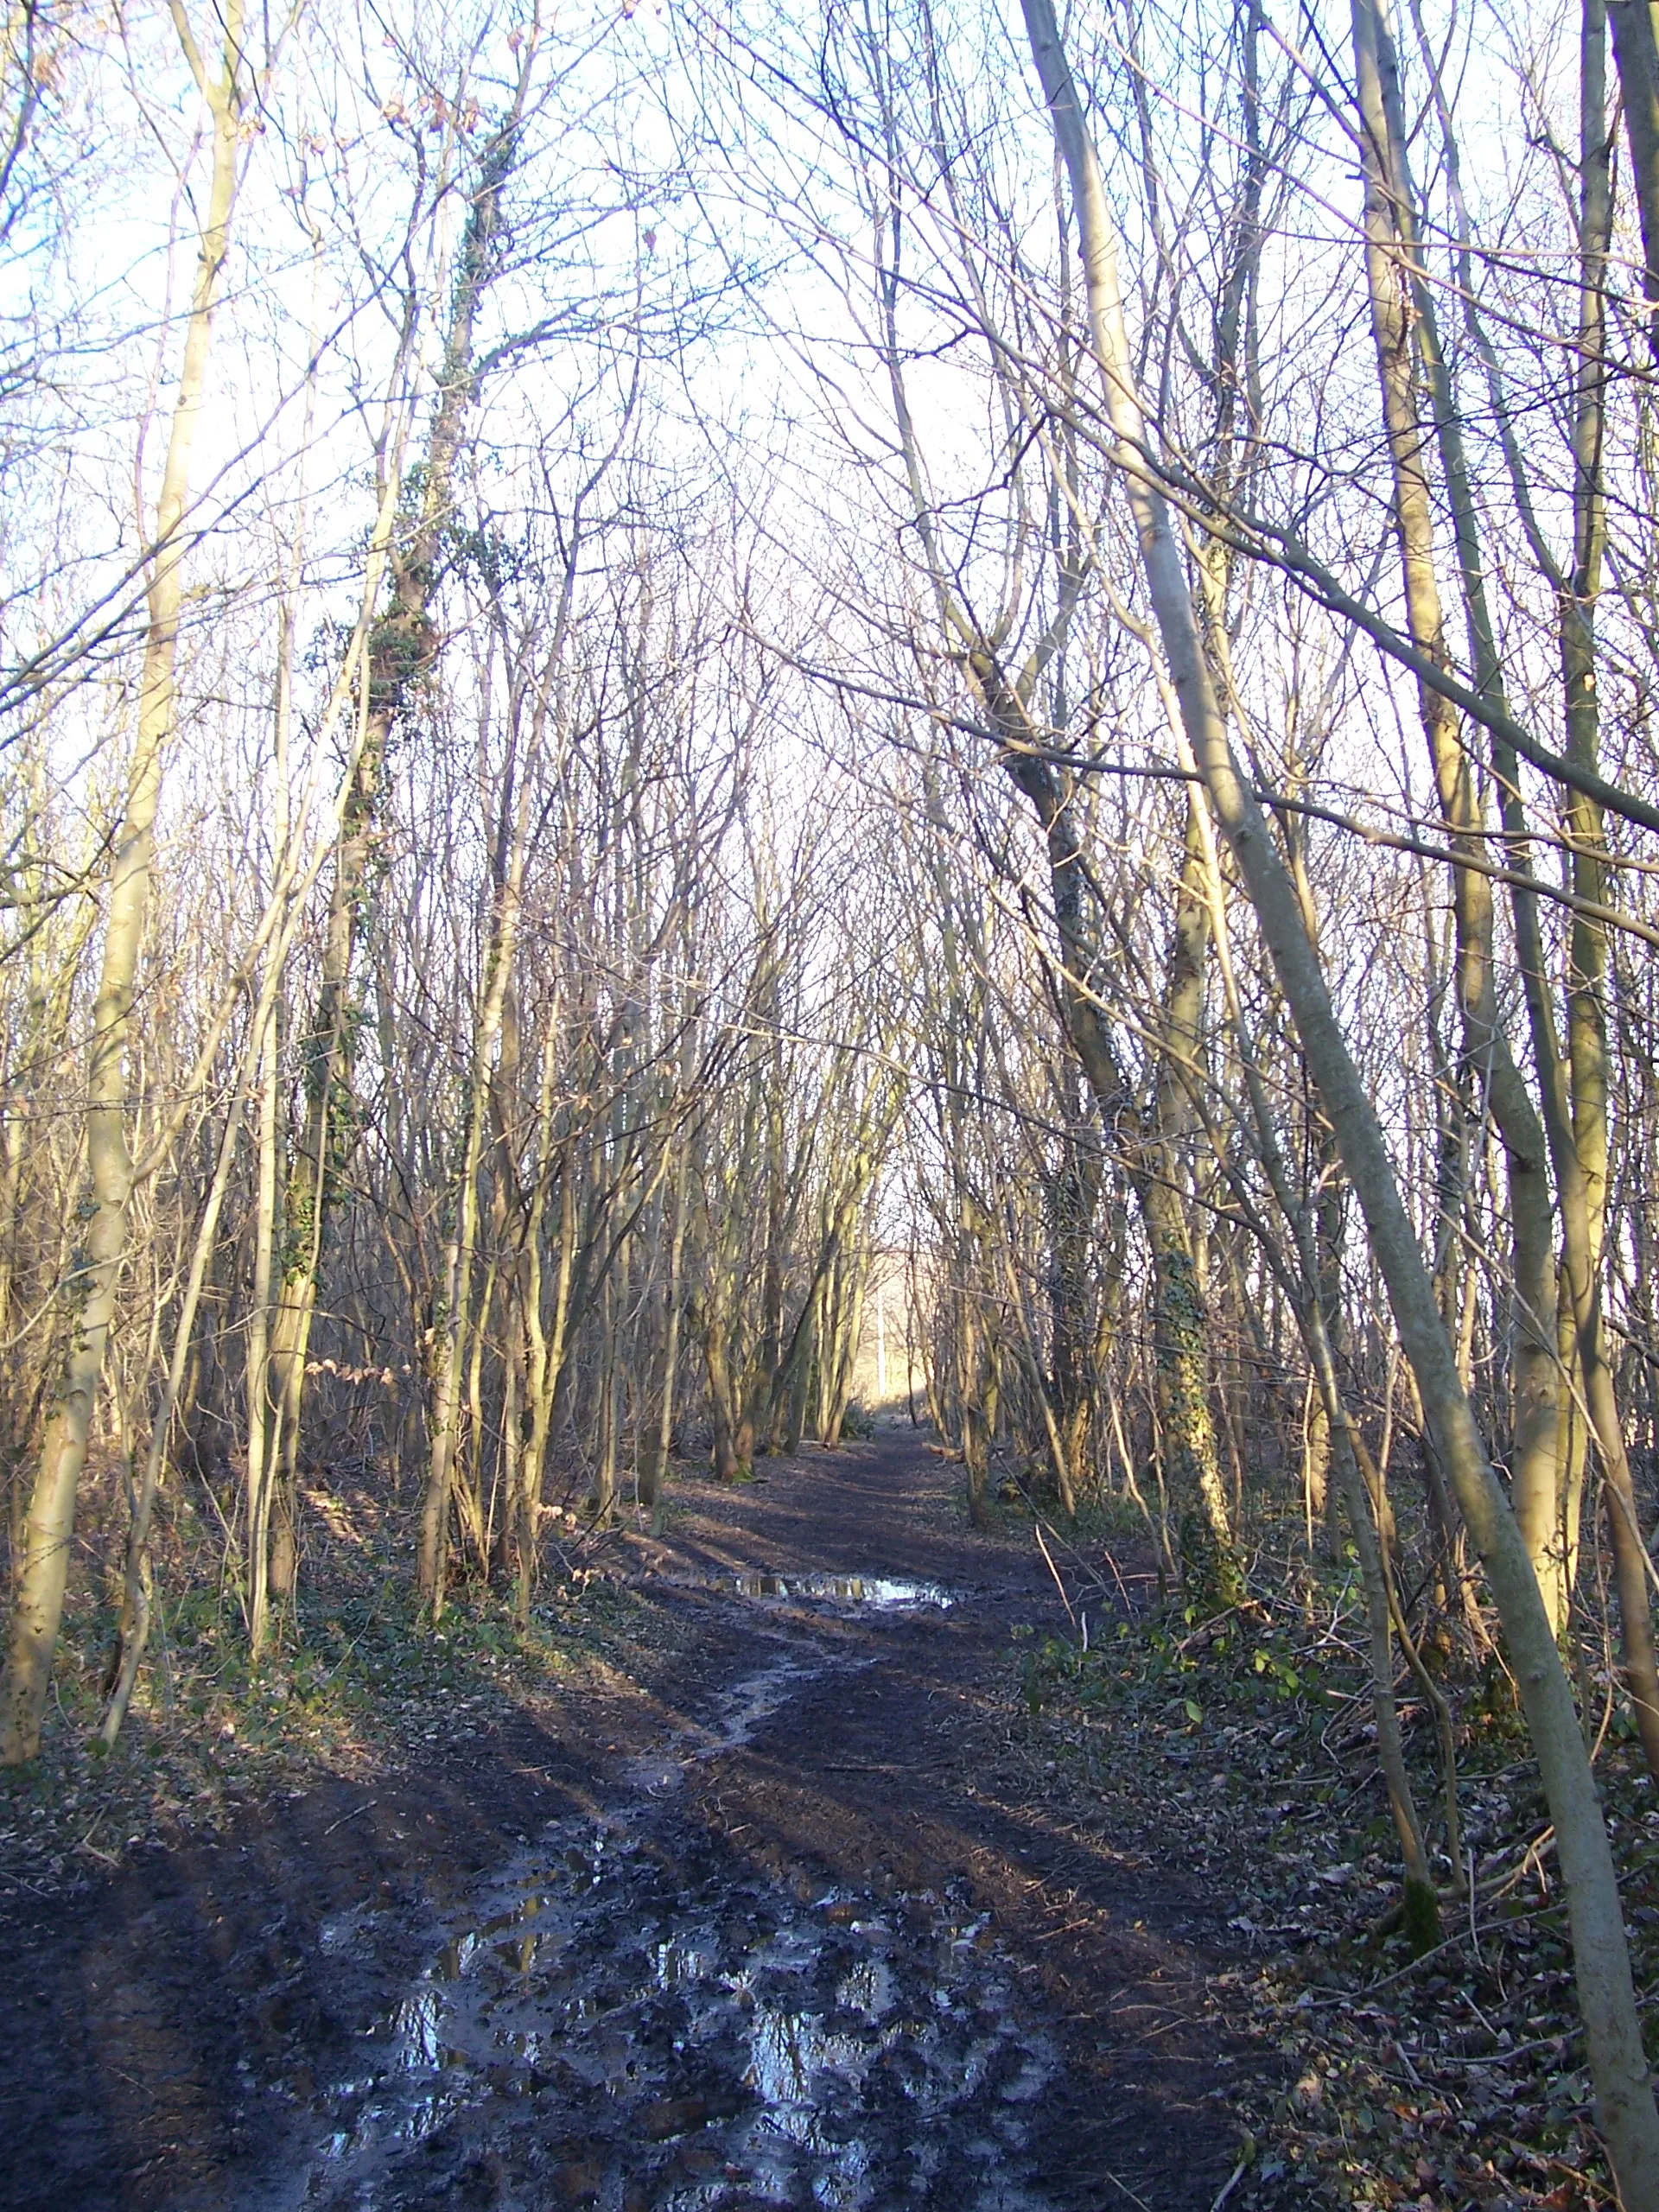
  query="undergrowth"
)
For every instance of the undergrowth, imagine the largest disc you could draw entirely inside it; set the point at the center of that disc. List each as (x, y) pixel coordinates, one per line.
(355, 1682)
(1243, 1750)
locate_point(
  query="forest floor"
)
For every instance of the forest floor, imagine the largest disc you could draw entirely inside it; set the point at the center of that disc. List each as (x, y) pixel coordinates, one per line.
(799, 1858)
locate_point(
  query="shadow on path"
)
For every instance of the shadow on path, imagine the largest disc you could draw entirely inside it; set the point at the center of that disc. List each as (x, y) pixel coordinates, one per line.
(793, 1921)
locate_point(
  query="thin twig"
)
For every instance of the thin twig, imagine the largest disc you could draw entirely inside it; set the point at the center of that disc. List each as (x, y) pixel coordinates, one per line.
(1230, 2184)
(1497, 1885)
(1127, 2190)
(1117, 1578)
(352, 1815)
(1352, 1996)
(1037, 1530)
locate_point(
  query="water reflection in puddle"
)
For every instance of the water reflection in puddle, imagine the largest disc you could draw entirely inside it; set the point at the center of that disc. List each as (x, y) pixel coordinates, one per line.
(738, 1713)
(883, 1593)
(634, 2020)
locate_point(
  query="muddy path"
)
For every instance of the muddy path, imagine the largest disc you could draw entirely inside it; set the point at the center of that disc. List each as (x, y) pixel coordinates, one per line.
(792, 1918)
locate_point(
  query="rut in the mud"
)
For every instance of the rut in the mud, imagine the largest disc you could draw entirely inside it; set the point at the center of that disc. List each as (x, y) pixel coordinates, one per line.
(630, 2016)
(783, 1935)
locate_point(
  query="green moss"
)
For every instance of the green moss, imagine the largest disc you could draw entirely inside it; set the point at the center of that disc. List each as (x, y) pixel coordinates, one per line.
(1422, 1917)
(1211, 1577)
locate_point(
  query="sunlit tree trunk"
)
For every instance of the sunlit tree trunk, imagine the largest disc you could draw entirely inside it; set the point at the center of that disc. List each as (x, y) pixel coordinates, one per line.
(454, 1339)
(1312, 1281)
(89, 1300)
(1636, 55)
(1179, 1318)
(1618, 2066)
(547, 1354)
(1180, 1345)
(1574, 1090)
(133, 1629)
(1073, 1201)
(1576, 596)
(1490, 1075)
(258, 1485)
(654, 1460)
(729, 1464)
(402, 645)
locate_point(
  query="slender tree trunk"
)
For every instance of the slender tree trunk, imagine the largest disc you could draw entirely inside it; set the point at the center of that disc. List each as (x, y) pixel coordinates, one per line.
(402, 645)
(261, 1438)
(1180, 1335)
(1422, 1910)
(454, 1340)
(1047, 1398)
(527, 1287)
(1618, 2066)
(800, 1378)
(604, 1498)
(1574, 1098)
(668, 1373)
(1588, 974)
(547, 1357)
(853, 1275)
(89, 1300)
(723, 1405)
(1179, 1319)
(1398, 302)
(133, 1633)
(1636, 57)
(973, 1368)
(979, 1414)
(1315, 1295)
(1073, 1196)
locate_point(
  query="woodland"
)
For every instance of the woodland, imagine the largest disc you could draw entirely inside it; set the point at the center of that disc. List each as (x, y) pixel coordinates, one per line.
(669, 673)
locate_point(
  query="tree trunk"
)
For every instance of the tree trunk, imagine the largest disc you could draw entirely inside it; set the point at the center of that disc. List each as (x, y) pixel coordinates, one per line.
(453, 1335)
(89, 1298)
(1574, 1117)
(1398, 304)
(401, 645)
(1618, 2066)
(1637, 61)
(1180, 1338)
(653, 1473)
(260, 1426)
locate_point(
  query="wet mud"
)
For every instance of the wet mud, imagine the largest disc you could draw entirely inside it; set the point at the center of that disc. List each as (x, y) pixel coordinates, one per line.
(792, 1924)
(883, 1592)
(631, 2018)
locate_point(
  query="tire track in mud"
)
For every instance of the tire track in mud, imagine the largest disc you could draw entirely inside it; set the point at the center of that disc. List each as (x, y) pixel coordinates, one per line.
(633, 2014)
(796, 1926)
(901, 1780)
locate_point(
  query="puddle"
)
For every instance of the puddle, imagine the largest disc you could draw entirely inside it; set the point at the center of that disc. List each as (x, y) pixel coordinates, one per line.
(631, 2017)
(882, 1593)
(739, 1712)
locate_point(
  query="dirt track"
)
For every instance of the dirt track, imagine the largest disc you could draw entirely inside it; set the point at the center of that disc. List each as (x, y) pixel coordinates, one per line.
(791, 1919)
